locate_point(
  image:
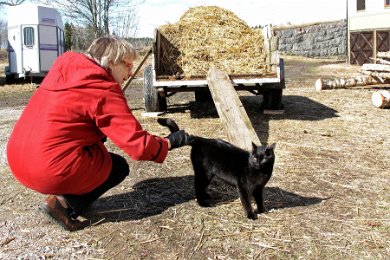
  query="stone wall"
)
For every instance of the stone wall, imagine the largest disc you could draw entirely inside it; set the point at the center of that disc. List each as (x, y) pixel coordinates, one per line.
(326, 39)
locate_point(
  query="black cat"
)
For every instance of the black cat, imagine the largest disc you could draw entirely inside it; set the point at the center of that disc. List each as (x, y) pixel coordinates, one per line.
(249, 172)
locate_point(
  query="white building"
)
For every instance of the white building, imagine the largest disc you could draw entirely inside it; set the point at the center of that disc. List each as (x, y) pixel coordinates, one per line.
(368, 29)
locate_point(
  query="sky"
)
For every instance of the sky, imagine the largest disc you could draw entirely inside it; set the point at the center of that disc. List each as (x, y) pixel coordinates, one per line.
(154, 13)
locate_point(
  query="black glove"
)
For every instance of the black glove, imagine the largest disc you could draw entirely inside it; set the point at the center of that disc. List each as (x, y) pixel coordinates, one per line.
(177, 139)
(104, 139)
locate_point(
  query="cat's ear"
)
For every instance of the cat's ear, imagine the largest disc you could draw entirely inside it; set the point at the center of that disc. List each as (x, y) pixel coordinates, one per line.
(254, 147)
(269, 150)
(272, 146)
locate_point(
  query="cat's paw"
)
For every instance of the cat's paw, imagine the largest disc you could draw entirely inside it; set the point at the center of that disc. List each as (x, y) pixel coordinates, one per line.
(207, 196)
(260, 210)
(252, 215)
(203, 203)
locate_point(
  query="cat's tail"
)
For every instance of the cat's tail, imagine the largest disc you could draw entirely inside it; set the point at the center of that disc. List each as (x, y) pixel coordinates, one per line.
(170, 123)
(191, 139)
(173, 127)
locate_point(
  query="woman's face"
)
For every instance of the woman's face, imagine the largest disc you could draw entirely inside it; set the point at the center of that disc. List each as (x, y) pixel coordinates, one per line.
(122, 71)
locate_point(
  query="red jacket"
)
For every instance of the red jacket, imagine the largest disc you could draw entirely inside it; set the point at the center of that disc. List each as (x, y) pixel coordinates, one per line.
(55, 146)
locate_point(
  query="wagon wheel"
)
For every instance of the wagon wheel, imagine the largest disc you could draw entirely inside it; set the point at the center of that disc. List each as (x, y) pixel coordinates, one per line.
(154, 102)
(9, 79)
(272, 99)
(203, 95)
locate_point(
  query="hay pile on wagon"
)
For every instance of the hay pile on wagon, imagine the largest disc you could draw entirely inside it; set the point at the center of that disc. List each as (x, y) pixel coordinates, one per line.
(210, 35)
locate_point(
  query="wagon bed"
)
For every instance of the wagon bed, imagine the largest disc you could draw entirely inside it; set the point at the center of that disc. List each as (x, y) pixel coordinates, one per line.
(158, 87)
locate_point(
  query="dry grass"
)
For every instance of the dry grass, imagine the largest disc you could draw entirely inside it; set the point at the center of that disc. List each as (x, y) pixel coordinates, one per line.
(328, 197)
(210, 35)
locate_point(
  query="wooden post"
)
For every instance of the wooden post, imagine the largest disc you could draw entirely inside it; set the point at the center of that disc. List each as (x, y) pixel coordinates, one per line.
(136, 71)
(231, 111)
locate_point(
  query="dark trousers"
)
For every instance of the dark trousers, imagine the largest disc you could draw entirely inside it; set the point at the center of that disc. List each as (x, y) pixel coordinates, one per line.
(78, 203)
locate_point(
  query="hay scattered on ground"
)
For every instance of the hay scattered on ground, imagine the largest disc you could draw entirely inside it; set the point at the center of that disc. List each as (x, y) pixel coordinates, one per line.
(328, 197)
(210, 35)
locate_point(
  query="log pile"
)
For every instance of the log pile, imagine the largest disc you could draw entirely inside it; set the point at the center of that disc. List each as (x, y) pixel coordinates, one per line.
(380, 70)
(377, 73)
(371, 74)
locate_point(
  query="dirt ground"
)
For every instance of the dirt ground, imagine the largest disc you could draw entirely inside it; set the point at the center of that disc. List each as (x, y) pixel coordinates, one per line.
(327, 199)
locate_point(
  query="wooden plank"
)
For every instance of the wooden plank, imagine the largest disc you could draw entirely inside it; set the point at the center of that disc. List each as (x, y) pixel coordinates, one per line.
(157, 50)
(231, 111)
(267, 33)
(153, 114)
(203, 77)
(180, 83)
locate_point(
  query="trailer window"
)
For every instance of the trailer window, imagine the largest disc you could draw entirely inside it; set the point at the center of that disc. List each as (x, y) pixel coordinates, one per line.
(360, 5)
(28, 36)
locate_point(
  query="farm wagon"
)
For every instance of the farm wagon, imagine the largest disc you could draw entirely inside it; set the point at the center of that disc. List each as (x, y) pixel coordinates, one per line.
(158, 85)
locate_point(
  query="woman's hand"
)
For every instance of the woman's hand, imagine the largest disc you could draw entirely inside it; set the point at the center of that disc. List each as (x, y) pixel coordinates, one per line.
(177, 139)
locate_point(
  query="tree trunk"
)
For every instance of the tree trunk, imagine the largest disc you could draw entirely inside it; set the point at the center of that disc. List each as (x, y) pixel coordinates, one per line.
(381, 99)
(334, 83)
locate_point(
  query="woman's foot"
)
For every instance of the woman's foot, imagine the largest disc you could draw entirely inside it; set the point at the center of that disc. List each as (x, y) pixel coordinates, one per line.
(57, 208)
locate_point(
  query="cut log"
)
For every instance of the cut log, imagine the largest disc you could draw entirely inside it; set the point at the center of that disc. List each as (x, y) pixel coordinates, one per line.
(381, 99)
(381, 61)
(334, 83)
(385, 54)
(384, 76)
(376, 67)
(231, 111)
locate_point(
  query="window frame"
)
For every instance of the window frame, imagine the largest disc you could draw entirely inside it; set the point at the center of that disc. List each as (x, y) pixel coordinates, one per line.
(29, 36)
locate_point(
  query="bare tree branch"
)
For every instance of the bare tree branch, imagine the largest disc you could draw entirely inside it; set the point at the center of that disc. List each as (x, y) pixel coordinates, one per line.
(11, 2)
(101, 16)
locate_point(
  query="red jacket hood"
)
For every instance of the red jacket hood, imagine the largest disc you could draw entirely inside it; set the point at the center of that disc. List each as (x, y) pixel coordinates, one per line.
(76, 70)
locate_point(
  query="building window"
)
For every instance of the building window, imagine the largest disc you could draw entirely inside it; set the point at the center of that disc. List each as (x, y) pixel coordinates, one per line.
(360, 5)
(387, 3)
(28, 36)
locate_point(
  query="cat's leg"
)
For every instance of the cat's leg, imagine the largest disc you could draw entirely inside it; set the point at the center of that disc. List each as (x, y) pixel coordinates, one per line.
(201, 184)
(258, 195)
(245, 201)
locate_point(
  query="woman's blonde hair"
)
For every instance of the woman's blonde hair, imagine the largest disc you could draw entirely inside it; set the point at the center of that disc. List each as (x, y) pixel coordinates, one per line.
(111, 49)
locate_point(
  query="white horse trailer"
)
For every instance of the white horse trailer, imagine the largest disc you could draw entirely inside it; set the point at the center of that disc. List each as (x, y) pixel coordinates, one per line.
(35, 40)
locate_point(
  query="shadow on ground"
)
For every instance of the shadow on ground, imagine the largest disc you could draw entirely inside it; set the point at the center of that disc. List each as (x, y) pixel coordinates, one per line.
(295, 108)
(154, 196)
